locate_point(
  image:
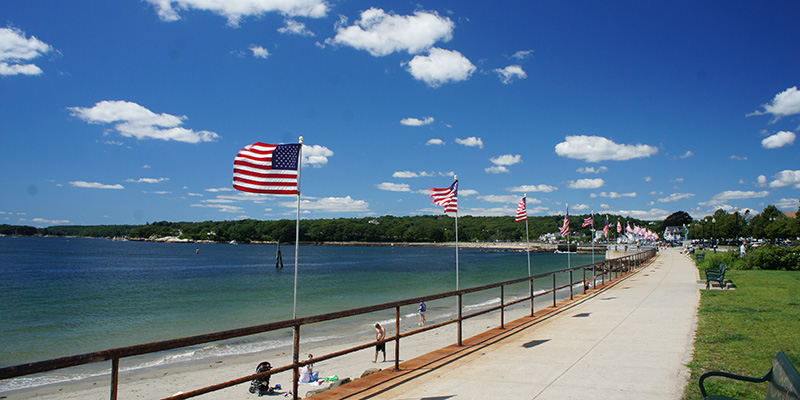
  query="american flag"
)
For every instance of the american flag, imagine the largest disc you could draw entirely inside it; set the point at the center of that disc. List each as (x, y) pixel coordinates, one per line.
(619, 227)
(605, 227)
(267, 168)
(565, 226)
(446, 197)
(522, 211)
(588, 221)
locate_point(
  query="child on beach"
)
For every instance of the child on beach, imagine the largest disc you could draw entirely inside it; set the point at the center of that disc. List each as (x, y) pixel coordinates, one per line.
(421, 310)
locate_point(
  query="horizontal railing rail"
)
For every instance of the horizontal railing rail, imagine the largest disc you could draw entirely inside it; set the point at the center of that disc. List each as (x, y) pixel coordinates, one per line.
(616, 266)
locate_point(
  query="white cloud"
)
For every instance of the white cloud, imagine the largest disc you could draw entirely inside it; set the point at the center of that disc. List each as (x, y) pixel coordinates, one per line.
(652, 214)
(227, 208)
(510, 198)
(316, 155)
(330, 204)
(434, 142)
(394, 187)
(235, 10)
(780, 139)
(738, 158)
(533, 188)
(592, 170)
(381, 33)
(676, 180)
(133, 120)
(50, 221)
(471, 141)
(687, 154)
(293, 27)
(222, 189)
(496, 169)
(762, 180)
(506, 159)
(95, 185)
(416, 121)
(16, 50)
(613, 195)
(522, 54)
(580, 207)
(440, 67)
(787, 204)
(648, 178)
(740, 194)
(587, 183)
(510, 72)
(597, 148)
(259, 52)
(675, 197)
(411, 174)
(783, 104)
(147, 180)
(784, 178)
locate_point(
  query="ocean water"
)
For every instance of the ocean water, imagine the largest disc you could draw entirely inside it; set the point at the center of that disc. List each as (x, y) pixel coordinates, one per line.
(68, 296)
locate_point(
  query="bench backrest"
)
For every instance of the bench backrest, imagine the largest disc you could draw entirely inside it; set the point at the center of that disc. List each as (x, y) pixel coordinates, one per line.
(784, 382)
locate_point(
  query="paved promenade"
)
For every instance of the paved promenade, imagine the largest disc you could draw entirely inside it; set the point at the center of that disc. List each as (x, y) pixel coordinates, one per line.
(629, 341)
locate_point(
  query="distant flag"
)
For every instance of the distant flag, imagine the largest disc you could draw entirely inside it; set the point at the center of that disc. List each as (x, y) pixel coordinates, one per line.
(605, 227)
(619, 227)
(446, 197)
(565, 226)
(522, 211)
(629, 229)
(588, 221)
(267, 168)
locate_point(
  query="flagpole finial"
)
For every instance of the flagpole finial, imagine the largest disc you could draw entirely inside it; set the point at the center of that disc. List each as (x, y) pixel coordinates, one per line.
(455, 177)
(301, 140)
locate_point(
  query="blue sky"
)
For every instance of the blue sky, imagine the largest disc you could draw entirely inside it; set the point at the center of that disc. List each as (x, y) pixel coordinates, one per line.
(126, 112)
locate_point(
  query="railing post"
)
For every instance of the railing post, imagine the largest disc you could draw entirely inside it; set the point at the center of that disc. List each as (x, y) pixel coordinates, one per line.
(114, 377)
(459, 319)
(502, 308)
(554, 288)
(397, 339)
(583, 282)
(295, 360)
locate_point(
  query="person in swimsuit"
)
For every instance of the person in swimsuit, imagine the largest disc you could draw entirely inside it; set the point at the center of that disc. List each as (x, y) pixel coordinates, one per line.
(380, 334)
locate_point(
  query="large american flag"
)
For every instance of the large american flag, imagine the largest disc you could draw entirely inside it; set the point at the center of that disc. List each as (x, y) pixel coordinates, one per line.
(446, 197)
(565, 225)
(522, 211)
(267, 168)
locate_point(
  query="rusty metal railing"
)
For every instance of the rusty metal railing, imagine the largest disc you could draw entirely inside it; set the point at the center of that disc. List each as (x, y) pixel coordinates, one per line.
(601, 270)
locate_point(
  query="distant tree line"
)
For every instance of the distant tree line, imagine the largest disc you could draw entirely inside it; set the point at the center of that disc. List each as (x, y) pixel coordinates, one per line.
(769, 224)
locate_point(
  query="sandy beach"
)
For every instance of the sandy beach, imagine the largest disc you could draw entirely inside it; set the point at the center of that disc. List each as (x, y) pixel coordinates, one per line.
(165, 381)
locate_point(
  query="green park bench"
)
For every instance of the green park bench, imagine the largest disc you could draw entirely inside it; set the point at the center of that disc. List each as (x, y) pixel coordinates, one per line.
(783, 378)
(717, 275)
(700, 257)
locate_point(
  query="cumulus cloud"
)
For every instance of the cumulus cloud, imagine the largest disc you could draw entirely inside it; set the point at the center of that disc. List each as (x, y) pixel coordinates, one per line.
(784, 178)
(506, 159)
(259, 52)
(783, 104)
(510, 198)
(440, 66)
(496, 169)
(381, 33)
(592, 170)
(95, 185)
(411, 174)
(738, 158)
(434, 142)
(780, 139)
(293, 27)
(648, 178)
(675, 197)
(686, 155)
(740, 194)
(471, 141)
(580, 207)
(417, 121)
(16, 51)
(509, 73)
(394, 187)
(598, 148)
(226, 208)
(522, 54)
(787, 204)
(613, 195)
(147, 180)
(133, 120)
(316, 155)
(650, 215)
(533, 188)
(586, 183)
(50, 221)
(235, 10)
(330, 204)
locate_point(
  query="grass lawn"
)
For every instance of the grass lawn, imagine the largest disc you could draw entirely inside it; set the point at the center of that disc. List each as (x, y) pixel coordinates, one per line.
(740, 331)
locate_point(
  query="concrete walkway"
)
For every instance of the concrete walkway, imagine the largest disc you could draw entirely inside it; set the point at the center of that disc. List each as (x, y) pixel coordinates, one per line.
(630, 341)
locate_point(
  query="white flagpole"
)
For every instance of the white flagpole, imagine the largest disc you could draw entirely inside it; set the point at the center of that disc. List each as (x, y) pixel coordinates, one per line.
(527, 239)
(456, 178)
(297, 228)
(569, 263)
(592, 230)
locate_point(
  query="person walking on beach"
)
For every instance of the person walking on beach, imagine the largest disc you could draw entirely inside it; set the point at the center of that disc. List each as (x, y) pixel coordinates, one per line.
(380, 334)
(421, 310)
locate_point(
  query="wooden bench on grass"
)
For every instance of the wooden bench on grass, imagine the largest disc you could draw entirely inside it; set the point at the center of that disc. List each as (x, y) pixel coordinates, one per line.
(717, 275)
(783, 378)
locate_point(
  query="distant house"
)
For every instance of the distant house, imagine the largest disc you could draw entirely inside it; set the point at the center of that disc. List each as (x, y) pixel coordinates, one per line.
(674, 233)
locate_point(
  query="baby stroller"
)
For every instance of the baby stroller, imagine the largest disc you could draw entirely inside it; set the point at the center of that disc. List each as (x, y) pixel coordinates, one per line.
(261, 385)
